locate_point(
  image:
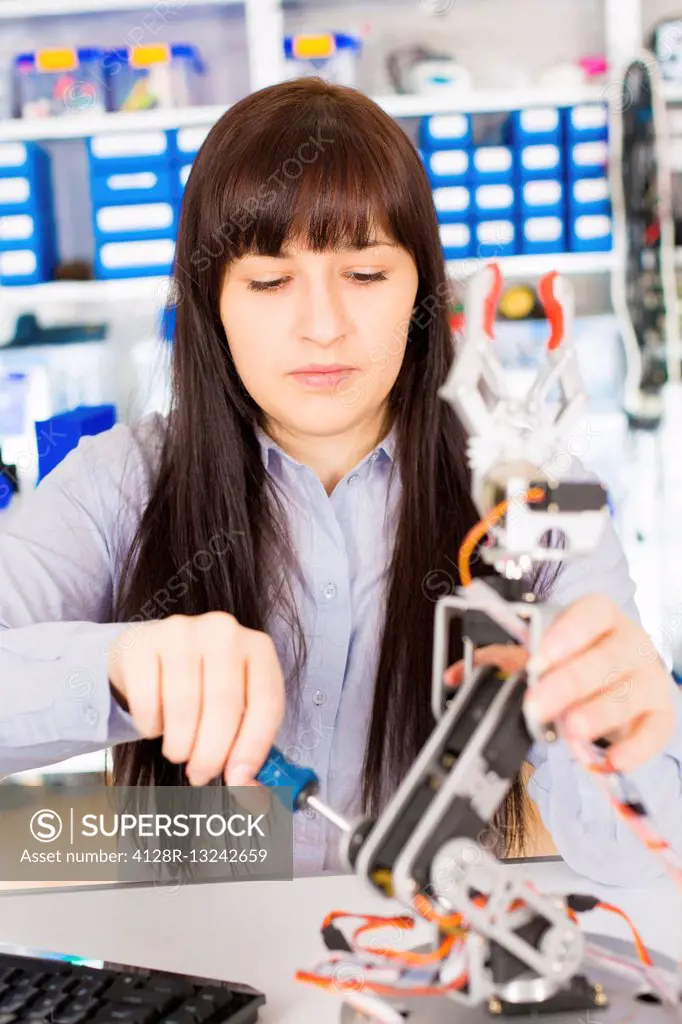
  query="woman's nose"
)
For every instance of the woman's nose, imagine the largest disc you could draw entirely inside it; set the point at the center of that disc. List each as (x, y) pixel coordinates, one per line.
(323, 318)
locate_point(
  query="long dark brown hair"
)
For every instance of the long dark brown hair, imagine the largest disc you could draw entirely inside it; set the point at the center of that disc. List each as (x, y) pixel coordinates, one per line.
(324, 165)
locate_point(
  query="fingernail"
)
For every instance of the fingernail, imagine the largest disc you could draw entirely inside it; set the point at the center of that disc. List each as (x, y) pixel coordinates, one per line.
(537, 665)
(240, 775)
(533, 711)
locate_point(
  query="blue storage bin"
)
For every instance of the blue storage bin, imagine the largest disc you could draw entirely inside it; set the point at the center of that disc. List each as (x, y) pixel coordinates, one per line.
(495, 238)
(457, 241)
(155, 185)
(124, 151)
(493, 165)
(540, 162)
(448, 167)
(445, 131)
(54, 83)
(22, 195)
(589, 195)
(67, 428)
(24, 160)
(492, 202)
(23, 230)
(138, 221)
(587, 122)
(536, 125)
(588, 160)
(187, 142)
(591, 233)
(454, 203)
(543, 235)
(146, 258)
(542, 198)
(24, 265)
(155, 76)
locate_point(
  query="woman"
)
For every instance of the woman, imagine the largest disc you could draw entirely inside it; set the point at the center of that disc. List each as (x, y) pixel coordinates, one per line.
(260, 566)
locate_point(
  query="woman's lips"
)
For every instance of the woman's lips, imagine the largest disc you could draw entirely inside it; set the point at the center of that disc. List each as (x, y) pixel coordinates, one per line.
(322, 381)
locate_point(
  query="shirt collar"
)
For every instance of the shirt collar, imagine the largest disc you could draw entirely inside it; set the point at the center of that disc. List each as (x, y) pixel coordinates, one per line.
(269, 447)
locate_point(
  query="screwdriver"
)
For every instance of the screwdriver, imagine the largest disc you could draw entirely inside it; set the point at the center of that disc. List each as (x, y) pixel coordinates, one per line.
(278, 771)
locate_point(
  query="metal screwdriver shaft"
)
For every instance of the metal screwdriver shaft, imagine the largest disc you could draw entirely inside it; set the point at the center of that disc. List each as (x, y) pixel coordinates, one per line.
(278, 772)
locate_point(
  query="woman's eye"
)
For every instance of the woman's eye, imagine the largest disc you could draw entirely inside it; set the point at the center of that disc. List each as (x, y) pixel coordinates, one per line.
(267, 286)
(367, 278)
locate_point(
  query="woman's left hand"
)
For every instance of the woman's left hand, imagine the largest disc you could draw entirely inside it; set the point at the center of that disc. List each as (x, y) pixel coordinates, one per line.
(600, 676)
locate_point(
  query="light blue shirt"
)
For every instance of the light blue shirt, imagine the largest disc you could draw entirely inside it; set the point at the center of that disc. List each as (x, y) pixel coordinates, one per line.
(60, 559)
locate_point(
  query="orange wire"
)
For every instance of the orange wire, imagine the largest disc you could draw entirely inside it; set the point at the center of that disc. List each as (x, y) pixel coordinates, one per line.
(642, 951)
(477, 532)
(383, 990)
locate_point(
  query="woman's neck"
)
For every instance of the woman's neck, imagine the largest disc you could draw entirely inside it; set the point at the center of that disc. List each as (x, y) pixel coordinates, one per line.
(331, 456)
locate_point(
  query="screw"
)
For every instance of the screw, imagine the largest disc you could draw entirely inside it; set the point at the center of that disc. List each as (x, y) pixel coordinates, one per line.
(494, 1006)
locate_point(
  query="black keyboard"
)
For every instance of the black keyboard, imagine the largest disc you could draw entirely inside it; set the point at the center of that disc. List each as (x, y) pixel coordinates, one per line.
(39, 990)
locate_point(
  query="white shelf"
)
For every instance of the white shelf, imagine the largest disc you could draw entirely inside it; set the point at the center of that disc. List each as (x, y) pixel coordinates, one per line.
(78, 126)
(28, 298)
(568, 263)
(81, 125)
(153, 291)
(56, 8)
(481, 101)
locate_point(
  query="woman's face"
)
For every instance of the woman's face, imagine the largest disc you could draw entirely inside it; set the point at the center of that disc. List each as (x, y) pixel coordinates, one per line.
(346, 311)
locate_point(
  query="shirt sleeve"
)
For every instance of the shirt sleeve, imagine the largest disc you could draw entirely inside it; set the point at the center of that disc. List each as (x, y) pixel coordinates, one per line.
(57, 558)
(588, 833)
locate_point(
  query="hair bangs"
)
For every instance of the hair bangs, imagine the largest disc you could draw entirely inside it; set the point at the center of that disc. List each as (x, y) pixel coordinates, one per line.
(324, 190)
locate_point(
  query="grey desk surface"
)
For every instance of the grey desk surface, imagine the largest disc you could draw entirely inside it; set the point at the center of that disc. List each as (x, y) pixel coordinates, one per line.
(262, 932)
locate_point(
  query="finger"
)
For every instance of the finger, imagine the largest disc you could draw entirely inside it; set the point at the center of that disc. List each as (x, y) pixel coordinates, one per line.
(263, 714)
(181, 697)
(649, 736)
(454, 675)
(254, 798)
(508, 657)
(581, 626)
(141, 670)
(224, 700)
(600, 670)
(601, 717)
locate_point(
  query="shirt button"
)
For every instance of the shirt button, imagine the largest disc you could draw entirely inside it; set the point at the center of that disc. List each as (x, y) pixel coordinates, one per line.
(319, 698)
(373, 457)
(330, 591)
(309, 812)
(353, 478)
(92, 716)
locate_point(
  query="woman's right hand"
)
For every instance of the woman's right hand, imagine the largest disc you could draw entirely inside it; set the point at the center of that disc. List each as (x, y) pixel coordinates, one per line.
(212, 688)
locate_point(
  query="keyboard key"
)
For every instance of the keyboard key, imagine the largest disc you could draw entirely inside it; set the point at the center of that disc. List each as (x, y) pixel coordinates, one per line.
(16, 1001)
(89, 988)
(173, 986)
(75, 1011)
(48, 1005)
(180, 1016)
(59, 984)
(139, 996)
(216, 997)
(122, 1013)
(199, 1008)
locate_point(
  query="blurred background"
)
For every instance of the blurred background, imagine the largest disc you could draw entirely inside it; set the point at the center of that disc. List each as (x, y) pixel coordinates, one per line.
(104, 104)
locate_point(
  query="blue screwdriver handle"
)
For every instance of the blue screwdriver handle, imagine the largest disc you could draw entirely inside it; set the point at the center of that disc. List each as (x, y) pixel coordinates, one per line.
(278, 771)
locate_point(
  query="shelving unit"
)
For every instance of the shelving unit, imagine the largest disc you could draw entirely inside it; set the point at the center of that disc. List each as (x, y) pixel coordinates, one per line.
(79, 126)
(155, 290)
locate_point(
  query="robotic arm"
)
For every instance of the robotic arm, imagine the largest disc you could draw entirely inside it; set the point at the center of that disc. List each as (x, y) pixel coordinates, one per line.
(522, 947)
(517, 952)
